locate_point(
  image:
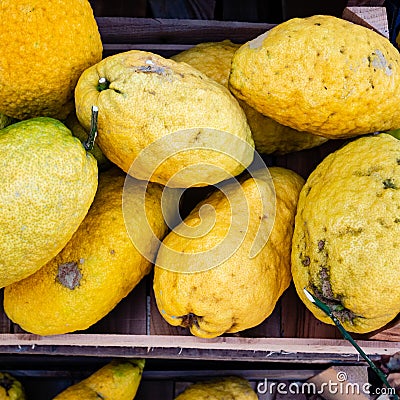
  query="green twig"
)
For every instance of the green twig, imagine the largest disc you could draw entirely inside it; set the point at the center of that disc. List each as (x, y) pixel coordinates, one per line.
(326, 309)
(89, 143)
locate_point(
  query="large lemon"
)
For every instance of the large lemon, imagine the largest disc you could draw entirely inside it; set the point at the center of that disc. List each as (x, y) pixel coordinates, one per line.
(47, 184)
(322, 75)
(45, 46)
(228, 278)
(168, 117)
(347, 234)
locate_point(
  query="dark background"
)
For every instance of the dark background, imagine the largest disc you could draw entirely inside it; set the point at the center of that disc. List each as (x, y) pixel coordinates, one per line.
(238, 10)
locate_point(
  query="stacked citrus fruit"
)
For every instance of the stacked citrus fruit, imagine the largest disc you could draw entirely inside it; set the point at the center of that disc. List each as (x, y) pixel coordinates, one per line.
(83, 226)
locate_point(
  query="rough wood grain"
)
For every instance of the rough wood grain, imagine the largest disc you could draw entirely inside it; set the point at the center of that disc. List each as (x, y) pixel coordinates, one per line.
(274, 345)
(374, 18)
(5, 323)
(392, 332)
(272, 350)
(175, 31)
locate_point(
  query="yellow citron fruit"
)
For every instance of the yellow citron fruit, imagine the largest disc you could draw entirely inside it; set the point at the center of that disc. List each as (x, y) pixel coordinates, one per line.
(46, 45)
(47, 183)
(117, 380)
(189, 125)
(241, 288)
(96, 269)
(321, 74)
(211, 58)
(270, 137)
(231, 387)
(10, 388)
(347, 234)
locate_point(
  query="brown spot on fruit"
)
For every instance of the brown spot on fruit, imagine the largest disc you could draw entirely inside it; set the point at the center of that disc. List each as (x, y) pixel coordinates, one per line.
(189, 320)
(326, 295)
(69, 275)
(326, 287)
(306, 261)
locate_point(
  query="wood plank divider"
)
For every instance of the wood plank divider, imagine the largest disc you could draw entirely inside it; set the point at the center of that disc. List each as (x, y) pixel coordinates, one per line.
(289, 345)
(176, 31)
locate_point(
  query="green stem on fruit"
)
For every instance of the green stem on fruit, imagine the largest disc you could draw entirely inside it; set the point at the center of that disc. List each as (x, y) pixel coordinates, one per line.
(102, 84)
(89, 143)
(327, 310)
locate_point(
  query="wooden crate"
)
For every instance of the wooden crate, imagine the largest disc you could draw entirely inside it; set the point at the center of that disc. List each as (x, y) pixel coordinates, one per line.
(135, 327)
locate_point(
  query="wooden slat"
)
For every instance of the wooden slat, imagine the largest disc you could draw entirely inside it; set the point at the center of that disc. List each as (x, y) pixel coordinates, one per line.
(5, 323)
(392, 333)
(292, 311)
(171, 374)
(288, 345)
(164, 50)
(175, 31)
(374, 18)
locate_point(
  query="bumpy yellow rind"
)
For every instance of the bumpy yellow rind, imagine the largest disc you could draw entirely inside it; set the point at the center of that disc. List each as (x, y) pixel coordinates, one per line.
(242, 290)
(98, 267)
(48, 182)
(149, 98)
(323, 75)
(46, 45)
(347, 234)
(270, 137)
(119, 379)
